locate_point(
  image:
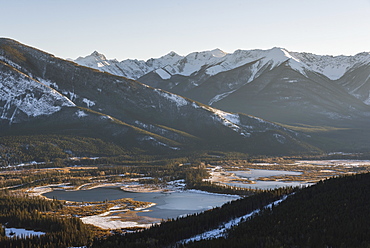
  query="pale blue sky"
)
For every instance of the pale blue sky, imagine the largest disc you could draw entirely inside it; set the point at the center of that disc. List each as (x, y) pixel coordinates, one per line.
(151, 28)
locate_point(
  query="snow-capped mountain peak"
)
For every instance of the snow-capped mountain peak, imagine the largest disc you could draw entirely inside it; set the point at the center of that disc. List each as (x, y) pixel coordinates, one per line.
(216, 61)
(172, 54)
(168, 59)
(333, 67)
(94, 60)
(280, 55)
(218, 53)
(98, 55)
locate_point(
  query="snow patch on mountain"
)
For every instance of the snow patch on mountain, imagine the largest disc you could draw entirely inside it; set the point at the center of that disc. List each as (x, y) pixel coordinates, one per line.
(219, 97)
(280, 138)
(11, 63)
(88, 102)
(213, 70)
(106, 117)
(195, 61)
(233, 118)
(70, 94)
(28, 96)
(367, 101)
(94, 60)
(81, 113)
(133, 68)
(168, 59)
(163, 73)
(178, 100)
(222, 230)
(333, 67)
(153, 140)
(229, 120)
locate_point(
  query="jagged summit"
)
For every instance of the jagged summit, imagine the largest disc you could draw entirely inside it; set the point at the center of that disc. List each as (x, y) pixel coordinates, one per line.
(214, 77)
(93, 56)
(218, 61)
(218, 53)
(172, 54)
(98, 55)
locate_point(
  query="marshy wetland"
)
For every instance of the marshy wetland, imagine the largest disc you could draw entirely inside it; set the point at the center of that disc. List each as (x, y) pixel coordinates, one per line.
(126, 198)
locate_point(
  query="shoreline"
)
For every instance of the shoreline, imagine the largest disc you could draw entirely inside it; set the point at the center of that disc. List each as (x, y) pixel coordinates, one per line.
(122, 218)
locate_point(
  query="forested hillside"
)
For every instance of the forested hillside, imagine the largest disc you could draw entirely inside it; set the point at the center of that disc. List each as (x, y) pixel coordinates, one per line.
(333, 213)
(37, 214)
(170, 232)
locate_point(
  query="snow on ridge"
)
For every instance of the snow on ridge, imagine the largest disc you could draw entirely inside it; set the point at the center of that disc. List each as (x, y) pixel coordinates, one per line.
(168, 59)
(29, 96)
(178, 100)
(229, 120)
(150, 138)
(218, 53)
(48, 83)
(193, 62)
(272, 57)
(95, 60)
(233, 118)
(219, 97)
(217, 61)
(333, 67)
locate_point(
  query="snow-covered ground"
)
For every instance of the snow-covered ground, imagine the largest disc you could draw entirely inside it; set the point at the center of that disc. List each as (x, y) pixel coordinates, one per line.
(221, 230)
(118, 217)
(334, 163)
(105, 221)
(38, 191)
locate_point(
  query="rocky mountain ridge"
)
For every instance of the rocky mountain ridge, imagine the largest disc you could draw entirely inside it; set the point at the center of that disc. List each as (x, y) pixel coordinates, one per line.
(248, 81)
(72, 99)
(218, 61)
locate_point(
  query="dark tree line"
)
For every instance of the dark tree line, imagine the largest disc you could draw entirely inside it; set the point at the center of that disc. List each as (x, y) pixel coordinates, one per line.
(171, 231)
(333, 213)
(29, 213)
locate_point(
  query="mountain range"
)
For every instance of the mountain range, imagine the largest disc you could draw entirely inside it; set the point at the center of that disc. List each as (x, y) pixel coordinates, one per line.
(304, 91)
(43, 94)
(284, 78)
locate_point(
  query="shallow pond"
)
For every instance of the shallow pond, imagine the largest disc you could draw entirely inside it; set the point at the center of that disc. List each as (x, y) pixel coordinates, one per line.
(254, 174)
(168, 205)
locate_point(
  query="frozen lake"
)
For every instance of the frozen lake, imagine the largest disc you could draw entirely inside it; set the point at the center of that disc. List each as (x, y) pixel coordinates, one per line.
(168, 205)
(254, 174)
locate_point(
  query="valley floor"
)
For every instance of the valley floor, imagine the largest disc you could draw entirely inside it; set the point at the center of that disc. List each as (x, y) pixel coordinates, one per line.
(123, 213)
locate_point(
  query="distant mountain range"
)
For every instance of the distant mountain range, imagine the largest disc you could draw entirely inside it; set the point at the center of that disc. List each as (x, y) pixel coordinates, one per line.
(275, 84)
(42, 94)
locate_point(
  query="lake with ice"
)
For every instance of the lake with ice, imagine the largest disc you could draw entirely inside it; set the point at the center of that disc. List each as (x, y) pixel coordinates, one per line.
(21, 232)
(254, 174)
(168, 205)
